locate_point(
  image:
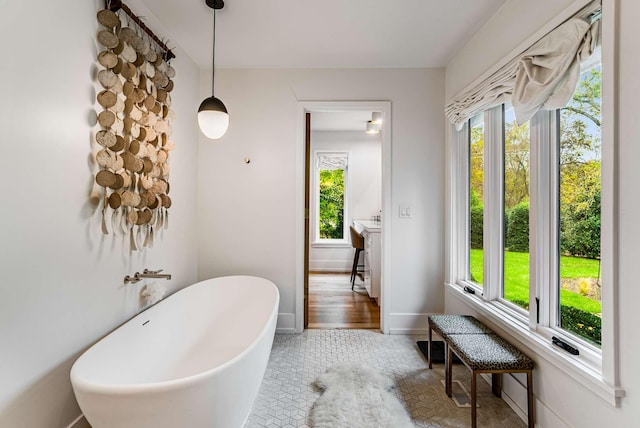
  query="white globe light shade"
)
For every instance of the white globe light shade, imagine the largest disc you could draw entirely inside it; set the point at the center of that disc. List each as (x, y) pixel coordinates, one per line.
(213, 118)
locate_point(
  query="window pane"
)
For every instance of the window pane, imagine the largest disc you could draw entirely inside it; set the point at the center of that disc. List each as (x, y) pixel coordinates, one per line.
(516, 211)
(476, 199)
(331, 216)
(580, 156)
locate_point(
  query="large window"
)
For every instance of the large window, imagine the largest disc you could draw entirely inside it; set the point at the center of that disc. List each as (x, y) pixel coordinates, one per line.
(533, 215)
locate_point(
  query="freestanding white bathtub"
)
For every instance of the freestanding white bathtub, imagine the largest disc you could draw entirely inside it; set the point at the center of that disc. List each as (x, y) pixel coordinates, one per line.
(196, 359)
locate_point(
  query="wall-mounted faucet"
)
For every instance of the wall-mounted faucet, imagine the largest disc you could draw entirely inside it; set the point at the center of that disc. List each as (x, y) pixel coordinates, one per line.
(146, 274)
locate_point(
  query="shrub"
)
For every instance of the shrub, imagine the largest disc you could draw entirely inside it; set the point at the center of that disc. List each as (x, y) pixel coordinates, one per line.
(580, 227)
(584, 324)
(476, 216)
(517, 237)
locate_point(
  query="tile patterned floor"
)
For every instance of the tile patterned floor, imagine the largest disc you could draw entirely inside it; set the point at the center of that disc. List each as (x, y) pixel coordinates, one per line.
(286, 395)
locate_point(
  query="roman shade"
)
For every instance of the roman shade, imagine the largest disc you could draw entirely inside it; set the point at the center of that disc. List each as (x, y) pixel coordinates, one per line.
(332, 161)
(543, 77)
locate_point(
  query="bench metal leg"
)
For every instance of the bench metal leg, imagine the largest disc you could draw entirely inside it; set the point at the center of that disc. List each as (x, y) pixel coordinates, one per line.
(496, 384)
(474, 395)
(530, 408)
(448, 372)
(430, 348)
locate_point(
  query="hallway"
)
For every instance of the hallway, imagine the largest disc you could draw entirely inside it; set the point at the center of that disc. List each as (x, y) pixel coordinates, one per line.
(332, 304)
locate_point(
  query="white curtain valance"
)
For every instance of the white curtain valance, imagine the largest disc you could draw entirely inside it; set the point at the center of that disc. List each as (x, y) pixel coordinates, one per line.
(332, 161)
(549, 71)
(543, 77)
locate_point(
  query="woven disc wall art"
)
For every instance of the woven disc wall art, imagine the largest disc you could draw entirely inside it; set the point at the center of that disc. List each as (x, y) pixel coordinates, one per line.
(135, 129)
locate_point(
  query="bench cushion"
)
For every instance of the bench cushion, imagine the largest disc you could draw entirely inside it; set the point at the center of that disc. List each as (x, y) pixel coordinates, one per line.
(489, 352)
(446, 325)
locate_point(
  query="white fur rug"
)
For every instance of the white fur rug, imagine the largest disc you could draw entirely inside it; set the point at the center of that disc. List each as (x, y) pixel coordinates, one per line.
(357, 397)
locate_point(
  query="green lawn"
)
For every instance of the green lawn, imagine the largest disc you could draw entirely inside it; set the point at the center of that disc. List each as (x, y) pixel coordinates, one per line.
(516, 274)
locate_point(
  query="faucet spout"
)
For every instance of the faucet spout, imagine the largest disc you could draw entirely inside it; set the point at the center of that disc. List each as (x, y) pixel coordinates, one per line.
(146, 274)
(152, 274)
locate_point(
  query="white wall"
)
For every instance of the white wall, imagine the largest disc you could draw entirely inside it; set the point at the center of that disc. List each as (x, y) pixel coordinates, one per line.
(246, 212)
(364, 190)
(61, 286)
(562, 401)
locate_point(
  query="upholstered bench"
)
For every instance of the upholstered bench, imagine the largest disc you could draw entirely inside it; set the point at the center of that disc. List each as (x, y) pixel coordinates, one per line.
(446, 325)
(482, 351)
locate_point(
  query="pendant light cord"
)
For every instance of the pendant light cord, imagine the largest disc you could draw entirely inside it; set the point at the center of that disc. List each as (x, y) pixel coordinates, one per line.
(213, 63)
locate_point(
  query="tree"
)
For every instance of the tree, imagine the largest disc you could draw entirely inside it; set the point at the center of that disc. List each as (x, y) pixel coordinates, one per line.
(476, 160)
(580, 219)
(586, 100)
(331, 204)
(516, 164)
(580, 169)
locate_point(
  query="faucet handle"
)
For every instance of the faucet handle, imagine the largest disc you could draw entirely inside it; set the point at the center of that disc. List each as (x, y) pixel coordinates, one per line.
(152, 272)
(132, 279)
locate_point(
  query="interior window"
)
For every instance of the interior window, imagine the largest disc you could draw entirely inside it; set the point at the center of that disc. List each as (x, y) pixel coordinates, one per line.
(331, 211)
(330, 196)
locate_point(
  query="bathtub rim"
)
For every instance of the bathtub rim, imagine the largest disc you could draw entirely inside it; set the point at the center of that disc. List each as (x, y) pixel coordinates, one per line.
(124, 389)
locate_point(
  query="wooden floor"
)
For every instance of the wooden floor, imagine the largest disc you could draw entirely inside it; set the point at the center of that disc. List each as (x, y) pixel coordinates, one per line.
(332, 304)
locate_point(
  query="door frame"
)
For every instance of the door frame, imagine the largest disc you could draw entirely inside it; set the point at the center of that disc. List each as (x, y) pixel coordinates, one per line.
(305, 107)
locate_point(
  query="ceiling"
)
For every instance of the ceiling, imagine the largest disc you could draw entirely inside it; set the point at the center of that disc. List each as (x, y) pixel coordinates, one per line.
(324, 34)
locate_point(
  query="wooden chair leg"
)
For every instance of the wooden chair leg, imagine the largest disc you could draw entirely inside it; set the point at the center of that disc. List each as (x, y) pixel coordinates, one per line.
(474, 394)
(530, 406)
(430, 348)
(354, 269)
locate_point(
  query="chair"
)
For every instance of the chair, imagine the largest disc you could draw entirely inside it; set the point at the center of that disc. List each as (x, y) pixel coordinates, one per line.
(358, 243)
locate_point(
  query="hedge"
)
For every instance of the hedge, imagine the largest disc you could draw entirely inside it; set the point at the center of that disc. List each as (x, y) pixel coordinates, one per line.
(583, 324)
(476, 220)
(518, 228)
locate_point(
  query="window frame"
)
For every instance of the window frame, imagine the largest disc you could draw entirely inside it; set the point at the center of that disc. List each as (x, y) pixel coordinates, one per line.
(475, 285)
(535, 332)
(316, 240)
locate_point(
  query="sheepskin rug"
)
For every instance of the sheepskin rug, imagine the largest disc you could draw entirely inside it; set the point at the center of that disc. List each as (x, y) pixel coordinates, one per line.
(354, 397)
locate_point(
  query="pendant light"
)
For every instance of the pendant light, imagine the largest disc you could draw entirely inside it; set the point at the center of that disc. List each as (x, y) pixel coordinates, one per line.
(212, 114)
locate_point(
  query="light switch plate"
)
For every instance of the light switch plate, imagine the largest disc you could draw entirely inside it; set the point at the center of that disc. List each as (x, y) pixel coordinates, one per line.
(405, 211)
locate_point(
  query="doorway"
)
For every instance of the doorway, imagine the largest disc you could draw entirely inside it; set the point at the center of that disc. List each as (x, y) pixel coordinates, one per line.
(335, 149)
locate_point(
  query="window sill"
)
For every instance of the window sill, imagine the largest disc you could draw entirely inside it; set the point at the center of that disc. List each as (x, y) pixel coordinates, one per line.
(331, 243)
(577, 368)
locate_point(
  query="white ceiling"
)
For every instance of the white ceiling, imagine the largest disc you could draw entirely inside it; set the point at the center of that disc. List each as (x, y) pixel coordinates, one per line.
(324, 34)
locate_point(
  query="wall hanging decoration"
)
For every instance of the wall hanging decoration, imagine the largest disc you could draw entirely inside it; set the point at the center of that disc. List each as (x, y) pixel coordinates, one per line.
(135, 125)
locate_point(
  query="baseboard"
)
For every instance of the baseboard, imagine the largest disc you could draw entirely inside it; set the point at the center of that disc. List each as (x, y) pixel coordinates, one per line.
(328, 265)
(330, 269)
(407, 323)
(514, 393)
(286, 323)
